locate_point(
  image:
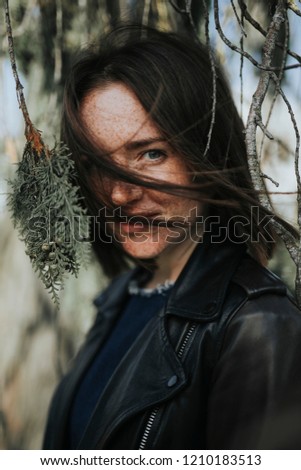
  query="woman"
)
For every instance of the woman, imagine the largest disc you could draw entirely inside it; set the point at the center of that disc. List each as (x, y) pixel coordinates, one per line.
(198, 346)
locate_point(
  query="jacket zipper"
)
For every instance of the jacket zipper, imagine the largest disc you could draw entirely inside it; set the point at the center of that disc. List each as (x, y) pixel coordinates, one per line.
(155, 410)
(148, 427)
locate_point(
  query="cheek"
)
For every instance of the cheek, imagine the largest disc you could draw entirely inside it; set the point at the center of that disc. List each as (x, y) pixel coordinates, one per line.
(176, 205)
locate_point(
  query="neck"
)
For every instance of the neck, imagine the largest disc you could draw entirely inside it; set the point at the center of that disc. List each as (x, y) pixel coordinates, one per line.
(171, 262)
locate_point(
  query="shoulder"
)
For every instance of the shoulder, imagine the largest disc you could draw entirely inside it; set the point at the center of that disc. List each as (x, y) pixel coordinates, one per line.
(267, 311)
(264, 291)
(256, 367)
(254, 288)
(262, 334)
(256, 280)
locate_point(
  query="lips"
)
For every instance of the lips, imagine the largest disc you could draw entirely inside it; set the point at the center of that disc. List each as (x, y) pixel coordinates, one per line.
(133, 217)
(143, 218)
(144, 222)
(139, 224)
(131, 223)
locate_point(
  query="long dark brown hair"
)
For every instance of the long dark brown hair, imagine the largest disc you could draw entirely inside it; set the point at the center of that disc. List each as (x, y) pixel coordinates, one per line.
(173, 78)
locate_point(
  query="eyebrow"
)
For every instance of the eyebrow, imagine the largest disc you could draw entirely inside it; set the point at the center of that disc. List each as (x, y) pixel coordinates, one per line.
(137, 144)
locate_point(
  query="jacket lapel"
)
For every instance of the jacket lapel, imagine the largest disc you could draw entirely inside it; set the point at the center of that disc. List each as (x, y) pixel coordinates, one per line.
(109, 305)
(151, 352)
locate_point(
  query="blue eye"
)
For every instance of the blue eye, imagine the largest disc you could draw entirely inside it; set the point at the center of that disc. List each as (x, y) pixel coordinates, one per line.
(153, 154)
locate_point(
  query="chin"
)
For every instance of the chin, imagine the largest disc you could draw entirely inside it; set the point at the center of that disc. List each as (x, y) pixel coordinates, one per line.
(143, 250)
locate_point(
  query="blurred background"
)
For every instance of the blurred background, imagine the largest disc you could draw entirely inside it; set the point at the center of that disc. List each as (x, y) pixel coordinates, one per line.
(37, 341)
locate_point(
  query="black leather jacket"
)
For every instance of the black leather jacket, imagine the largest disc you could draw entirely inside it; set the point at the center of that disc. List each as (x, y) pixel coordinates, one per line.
(219, 368)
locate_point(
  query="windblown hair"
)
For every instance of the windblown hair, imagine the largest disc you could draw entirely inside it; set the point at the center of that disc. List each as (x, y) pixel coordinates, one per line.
(174, 79)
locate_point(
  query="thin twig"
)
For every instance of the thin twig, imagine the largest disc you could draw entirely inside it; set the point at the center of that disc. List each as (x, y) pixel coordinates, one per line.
(11, 51)
(249, 18)
(228, 42)
(214, 77)
(297, 147)
(242, 30)
(31, 133)
(284, 146)
(243, 35)
(290, 67)
(263, 175)
(295, 252)
(281, 193)
(241, 68)
(265, 131)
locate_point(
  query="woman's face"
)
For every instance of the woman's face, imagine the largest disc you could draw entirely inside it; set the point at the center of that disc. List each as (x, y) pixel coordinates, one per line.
(119, 125)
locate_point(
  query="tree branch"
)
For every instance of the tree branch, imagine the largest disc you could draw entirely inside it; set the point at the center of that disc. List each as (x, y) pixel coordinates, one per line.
(282, 67)
(237, 49)
(291, 5)
(257, 100)
(186, 13)
(261, 30)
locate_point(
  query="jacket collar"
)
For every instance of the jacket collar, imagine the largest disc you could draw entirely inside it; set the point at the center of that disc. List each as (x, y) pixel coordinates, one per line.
(198, 293)
(200, 290)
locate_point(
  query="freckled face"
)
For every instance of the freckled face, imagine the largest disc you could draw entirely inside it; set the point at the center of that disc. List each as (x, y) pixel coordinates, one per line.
(118, 123)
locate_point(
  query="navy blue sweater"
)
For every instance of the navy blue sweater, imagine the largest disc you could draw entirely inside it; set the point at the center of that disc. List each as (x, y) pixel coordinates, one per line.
(139, 309)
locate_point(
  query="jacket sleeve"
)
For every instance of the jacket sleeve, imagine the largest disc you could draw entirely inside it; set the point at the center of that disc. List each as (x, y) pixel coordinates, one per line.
(255, 396)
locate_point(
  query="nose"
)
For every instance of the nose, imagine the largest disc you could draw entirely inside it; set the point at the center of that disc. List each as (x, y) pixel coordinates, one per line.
(123, 193)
